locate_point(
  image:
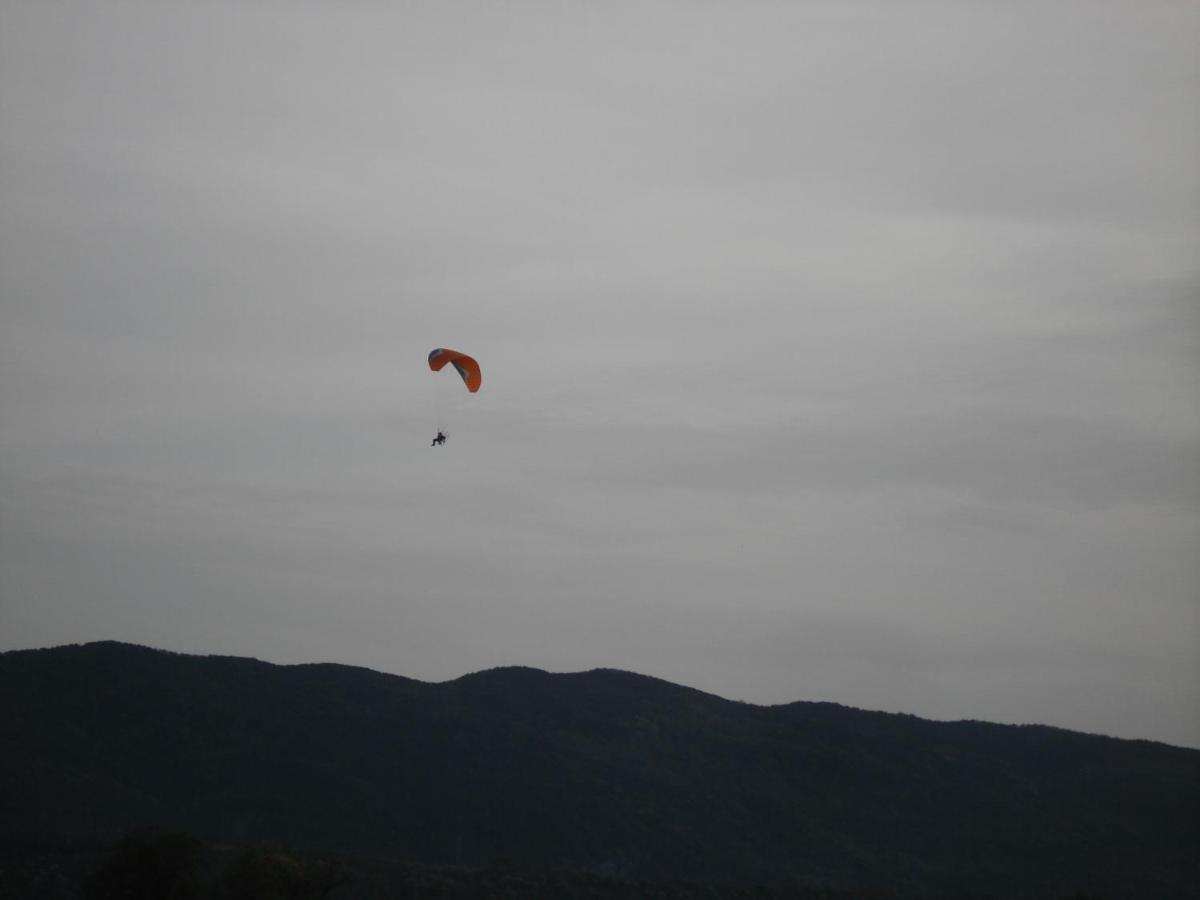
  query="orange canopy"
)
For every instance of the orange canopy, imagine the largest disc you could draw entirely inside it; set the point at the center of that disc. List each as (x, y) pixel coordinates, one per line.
(466, 366)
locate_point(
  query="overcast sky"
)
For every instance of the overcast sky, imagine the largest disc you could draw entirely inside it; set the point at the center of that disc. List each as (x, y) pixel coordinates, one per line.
(836, 350)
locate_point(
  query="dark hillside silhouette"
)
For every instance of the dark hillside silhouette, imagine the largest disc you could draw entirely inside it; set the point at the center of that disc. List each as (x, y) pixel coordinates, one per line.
(603, 773)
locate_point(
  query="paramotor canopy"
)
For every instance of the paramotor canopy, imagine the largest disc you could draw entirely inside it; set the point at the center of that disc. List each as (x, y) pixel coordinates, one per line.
(466, 366)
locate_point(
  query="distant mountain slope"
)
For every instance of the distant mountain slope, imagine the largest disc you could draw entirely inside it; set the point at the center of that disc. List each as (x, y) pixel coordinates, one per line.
(600, 771)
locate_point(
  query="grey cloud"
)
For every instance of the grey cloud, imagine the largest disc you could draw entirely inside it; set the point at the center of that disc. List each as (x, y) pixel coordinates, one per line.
(831, 351)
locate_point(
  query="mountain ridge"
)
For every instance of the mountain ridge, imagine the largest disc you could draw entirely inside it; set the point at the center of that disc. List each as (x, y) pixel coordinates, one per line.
(602, 671)
(601, 770)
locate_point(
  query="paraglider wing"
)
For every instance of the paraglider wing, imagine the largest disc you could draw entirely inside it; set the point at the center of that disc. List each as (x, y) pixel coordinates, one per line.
(465, 365)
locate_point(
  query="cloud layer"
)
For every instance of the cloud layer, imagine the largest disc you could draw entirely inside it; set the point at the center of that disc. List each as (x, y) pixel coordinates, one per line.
(831, 351)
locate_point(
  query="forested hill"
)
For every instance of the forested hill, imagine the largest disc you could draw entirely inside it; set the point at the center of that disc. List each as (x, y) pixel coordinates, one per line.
(603, 772)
